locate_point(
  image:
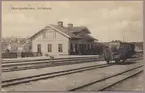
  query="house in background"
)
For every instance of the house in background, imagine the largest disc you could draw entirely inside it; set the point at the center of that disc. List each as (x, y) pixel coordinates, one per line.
(60, 40)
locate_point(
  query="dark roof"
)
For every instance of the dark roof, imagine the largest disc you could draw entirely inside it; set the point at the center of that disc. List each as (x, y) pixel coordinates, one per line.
(90, 37)
(78, 29)
(67, 31)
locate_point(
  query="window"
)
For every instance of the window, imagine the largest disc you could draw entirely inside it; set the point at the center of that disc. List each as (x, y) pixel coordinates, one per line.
(88, 47)
(60, 48)
(39, 48)
(85, 46)
(92, 46)
(76, 46)
(49, 47)
(71, 46)
(54, 34)
(44, 35)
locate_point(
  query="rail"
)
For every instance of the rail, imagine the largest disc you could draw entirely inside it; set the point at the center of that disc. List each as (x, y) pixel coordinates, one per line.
(22, 80)
(129, 73)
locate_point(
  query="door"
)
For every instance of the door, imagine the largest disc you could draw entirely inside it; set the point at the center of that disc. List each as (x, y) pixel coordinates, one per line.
(39, 48)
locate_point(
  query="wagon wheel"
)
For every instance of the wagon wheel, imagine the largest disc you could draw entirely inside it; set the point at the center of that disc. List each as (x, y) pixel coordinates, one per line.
(124, 60)
(116, 61)
(118, 58)
(108, 61)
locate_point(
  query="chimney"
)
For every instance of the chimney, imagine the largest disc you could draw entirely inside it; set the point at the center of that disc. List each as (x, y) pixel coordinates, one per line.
(60, 23)
(70, 25)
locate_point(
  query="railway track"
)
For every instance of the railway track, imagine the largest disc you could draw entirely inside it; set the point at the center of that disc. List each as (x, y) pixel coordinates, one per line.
(22, 80)
(9, 67)
(41, 64)
(42, 61)
(45, 59)
(109, 81)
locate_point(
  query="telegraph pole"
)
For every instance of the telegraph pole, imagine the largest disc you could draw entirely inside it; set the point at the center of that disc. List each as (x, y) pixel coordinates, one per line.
(109, 27)
(109, 33)
(122, 35)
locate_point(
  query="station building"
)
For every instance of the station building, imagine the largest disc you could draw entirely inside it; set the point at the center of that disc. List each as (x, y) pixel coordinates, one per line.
(55, 39)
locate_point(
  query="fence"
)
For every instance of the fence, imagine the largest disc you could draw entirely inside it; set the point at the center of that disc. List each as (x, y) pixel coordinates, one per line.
(23, 54)
(9, 55)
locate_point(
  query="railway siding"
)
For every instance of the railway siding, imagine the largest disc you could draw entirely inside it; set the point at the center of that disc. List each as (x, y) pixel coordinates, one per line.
(15, 66)
(72, 80)
(44, 58)
(25, 73)
(135, 83)
(100, 86)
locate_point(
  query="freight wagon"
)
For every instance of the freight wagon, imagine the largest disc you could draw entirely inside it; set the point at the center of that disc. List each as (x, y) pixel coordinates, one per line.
(118, 51)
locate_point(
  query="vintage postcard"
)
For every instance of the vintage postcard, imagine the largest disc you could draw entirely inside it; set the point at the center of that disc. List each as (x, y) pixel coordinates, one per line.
(81, 46)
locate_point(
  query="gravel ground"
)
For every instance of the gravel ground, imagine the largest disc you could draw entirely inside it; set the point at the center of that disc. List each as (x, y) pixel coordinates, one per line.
(134, 84)
(31, 72)
(64, 83)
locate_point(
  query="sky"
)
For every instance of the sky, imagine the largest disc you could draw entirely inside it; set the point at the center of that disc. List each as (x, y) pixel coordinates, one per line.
(106, 20)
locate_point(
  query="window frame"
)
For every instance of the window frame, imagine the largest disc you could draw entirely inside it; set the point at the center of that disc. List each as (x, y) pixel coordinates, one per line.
(44, 35)
(60, 47)
(54, 34)
(49, 48)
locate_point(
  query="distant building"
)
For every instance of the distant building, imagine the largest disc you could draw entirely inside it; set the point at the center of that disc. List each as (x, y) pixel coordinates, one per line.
(60, 40)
